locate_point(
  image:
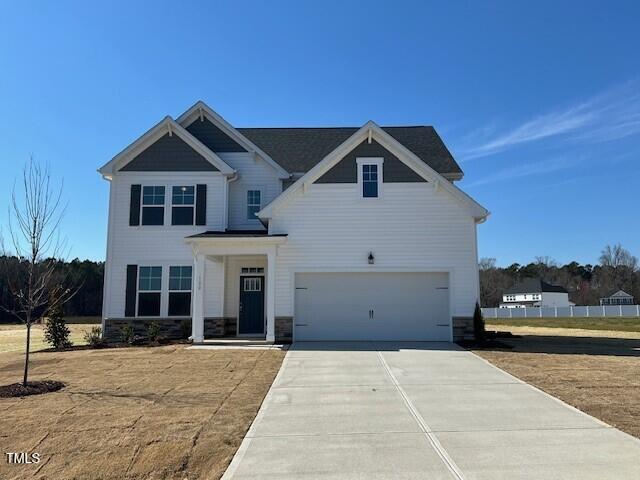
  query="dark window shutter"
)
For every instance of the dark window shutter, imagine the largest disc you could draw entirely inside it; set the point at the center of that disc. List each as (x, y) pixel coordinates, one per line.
(201, 204)
(134, 205)
(131, 288)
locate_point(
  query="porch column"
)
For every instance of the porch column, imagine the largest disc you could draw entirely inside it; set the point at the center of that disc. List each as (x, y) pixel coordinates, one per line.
(197, 317)
(271, 295)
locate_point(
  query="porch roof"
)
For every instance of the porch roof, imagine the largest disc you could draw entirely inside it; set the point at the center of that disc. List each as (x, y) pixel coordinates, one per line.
(236, 234)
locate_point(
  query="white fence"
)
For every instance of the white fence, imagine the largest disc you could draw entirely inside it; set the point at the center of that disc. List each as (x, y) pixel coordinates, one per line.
(577, 311)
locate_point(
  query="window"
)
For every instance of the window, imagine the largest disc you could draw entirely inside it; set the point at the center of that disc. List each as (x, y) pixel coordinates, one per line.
(153, 205)
(252, 270)
(369, 181)
(182, 201)
(180, 291)
(252, 284)
(253, 203)
(149, 288)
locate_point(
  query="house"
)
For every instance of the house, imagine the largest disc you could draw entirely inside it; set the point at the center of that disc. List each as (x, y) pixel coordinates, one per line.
(617, 298)
(535, 292)
(289, 233)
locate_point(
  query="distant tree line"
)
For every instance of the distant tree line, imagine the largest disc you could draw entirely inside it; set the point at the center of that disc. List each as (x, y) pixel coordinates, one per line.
(586, 284)
(85, 274)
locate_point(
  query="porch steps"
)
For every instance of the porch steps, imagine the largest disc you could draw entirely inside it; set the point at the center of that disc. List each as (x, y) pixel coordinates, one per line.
(259, 343)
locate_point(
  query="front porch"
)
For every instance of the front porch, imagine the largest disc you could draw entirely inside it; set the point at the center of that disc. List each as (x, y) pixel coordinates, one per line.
(234, 286)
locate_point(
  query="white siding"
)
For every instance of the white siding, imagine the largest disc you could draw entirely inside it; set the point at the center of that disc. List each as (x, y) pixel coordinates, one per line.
(555, 299)
(252, 175)
(411, 227)
(157, 245)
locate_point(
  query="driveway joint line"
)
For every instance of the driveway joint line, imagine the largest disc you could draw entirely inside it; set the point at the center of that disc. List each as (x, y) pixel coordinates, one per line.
(435, 443)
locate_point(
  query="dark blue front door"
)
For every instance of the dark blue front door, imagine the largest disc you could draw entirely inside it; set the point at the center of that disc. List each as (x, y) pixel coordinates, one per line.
(251, 319)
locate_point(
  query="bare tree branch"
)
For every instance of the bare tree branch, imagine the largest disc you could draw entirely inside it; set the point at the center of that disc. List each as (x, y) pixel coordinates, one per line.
(35, 216)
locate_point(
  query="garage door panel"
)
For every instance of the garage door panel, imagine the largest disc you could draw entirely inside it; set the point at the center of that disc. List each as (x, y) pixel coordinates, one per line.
(372, 306)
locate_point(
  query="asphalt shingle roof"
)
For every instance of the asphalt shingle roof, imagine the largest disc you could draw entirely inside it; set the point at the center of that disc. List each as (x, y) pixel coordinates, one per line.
(534, 285)
(300, 149)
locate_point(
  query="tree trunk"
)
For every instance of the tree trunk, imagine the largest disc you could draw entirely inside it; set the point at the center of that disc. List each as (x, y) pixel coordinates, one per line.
(26, 358)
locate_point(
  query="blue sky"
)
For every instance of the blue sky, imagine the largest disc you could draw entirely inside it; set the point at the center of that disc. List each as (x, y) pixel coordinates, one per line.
(539, 102)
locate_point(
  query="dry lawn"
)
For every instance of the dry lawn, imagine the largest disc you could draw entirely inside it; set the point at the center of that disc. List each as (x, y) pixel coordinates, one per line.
(13, 337)
(597, 372)
(133, 413)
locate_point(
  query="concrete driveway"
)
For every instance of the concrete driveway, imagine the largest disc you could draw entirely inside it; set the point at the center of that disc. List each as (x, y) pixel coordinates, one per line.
(420, 410)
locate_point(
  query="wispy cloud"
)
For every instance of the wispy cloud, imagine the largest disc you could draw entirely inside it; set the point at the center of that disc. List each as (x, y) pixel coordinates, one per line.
(526, 170)
(612, 115)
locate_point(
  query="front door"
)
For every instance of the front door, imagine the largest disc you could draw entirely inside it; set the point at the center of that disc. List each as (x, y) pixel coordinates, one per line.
(251, 308)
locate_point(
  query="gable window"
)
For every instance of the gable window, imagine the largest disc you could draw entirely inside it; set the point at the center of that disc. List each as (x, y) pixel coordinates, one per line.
(153, 205)
(370, 176)
(253, 203)
(149, 290)
(180, 290)
(369, 180)
(182, 205)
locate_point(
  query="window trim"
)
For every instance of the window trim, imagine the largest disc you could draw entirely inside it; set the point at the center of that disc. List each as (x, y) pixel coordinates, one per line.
(246, 199)
(163, 206)
(138, 291)
(182, 205)
(170, 291)
(378, 161)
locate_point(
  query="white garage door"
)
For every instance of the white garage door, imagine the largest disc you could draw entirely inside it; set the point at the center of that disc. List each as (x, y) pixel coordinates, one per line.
(372, 306)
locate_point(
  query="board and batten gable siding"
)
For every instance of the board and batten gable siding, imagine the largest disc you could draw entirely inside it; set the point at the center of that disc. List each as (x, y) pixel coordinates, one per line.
(253, 174)
(161, 245)
(410, 227)
(213, 137)
(346, 170)
(169, 154)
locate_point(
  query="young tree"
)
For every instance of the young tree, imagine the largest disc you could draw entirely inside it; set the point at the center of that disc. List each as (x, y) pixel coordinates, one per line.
(35, 214)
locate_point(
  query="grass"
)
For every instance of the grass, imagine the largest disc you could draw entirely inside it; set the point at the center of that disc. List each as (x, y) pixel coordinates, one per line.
(154, 413)
(13, 336)
(620, 324)
(597, 372)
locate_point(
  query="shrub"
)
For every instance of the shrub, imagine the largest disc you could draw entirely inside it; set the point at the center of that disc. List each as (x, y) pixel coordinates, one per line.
(94, 337)
(153, 331)
(127, 334)
(478, 324)
(56, 332)
(185, 328)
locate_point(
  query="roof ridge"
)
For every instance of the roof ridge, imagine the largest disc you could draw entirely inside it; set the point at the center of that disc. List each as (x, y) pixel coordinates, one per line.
(330, 128)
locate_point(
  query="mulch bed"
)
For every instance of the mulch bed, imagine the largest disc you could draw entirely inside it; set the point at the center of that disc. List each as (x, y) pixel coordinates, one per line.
(32, 388)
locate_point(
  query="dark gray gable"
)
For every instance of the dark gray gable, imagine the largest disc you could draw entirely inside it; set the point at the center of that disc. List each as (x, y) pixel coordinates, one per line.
(346, 170)
(213, 137)
(169, 154)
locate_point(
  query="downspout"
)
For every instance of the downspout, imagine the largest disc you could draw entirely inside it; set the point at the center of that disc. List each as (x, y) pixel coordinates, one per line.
(230, 179)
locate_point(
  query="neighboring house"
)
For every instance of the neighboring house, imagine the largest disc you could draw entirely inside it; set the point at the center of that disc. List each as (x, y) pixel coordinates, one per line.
(618, 298)
(534, 292)
(289, 233)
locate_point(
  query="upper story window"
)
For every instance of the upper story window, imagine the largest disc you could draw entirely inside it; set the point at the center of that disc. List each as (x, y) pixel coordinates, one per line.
(182, 205)
(153, 205)
(369, 180)
(149, 291)
(254, 199)
(180, 290)
(370, 176)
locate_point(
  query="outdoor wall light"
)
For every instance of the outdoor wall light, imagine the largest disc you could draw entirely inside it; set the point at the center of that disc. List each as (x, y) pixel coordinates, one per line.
(370, 258)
